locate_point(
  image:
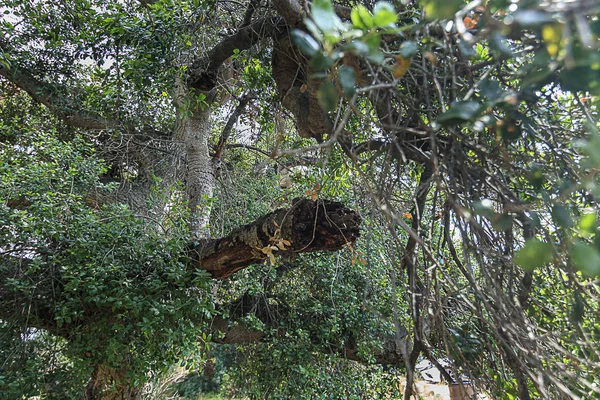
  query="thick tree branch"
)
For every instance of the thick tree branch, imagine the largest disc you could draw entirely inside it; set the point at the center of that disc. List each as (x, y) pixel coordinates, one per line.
(307, 226)
(203, 71)
(290, 10)
(42, 93)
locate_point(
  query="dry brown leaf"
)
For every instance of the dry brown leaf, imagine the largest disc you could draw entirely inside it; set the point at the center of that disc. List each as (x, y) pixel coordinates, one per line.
(401, 66)
(431, 57)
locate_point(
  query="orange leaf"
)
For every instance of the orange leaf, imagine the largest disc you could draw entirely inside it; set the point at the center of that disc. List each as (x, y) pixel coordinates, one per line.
(401, 66)
(469, 23)
(314, 196)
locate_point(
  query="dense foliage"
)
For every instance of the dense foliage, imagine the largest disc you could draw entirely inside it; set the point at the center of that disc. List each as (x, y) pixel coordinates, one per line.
(465, 135)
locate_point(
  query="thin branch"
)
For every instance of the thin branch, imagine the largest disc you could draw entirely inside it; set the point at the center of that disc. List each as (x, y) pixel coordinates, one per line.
(230, 124)
(244, 146)
(252, 6)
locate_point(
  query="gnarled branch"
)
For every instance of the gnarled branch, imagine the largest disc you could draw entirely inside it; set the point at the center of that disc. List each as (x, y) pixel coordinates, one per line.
(307, 226)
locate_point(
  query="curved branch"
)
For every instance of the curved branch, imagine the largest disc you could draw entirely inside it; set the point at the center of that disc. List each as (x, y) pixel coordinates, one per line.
(252, 6)
(203, 71)
(42, 93)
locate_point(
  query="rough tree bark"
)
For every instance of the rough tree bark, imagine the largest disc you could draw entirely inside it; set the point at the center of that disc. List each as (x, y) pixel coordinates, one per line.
(307, 226)
(199, 177)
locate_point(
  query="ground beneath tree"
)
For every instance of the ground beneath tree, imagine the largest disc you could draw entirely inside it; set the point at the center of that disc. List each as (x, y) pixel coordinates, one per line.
(433, 391)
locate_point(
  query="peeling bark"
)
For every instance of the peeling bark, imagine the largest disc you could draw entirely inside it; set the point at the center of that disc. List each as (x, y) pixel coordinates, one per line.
(307, 226)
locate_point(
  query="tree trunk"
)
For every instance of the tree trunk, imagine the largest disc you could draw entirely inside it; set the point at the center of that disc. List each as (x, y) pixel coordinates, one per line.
(199, 175)
(194, 128)
(110, 384)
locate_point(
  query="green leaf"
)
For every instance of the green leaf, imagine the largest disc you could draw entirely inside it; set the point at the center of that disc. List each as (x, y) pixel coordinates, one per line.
(325, 17)
(357, 47)
(466, 49)
(408, 49)
(327, 96)
(581, 78)
(502, 222)
(442, 9)
(376, 57)
(347, 79)
(562, 216)
(490, 89)
(320, 62)
(384, 14)
(536, 76)
(361, 17)
(533, 255)
(587, 223)
(305, 42)
(460, 112)
(499, 43)
(373, 41)
(586, 258)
